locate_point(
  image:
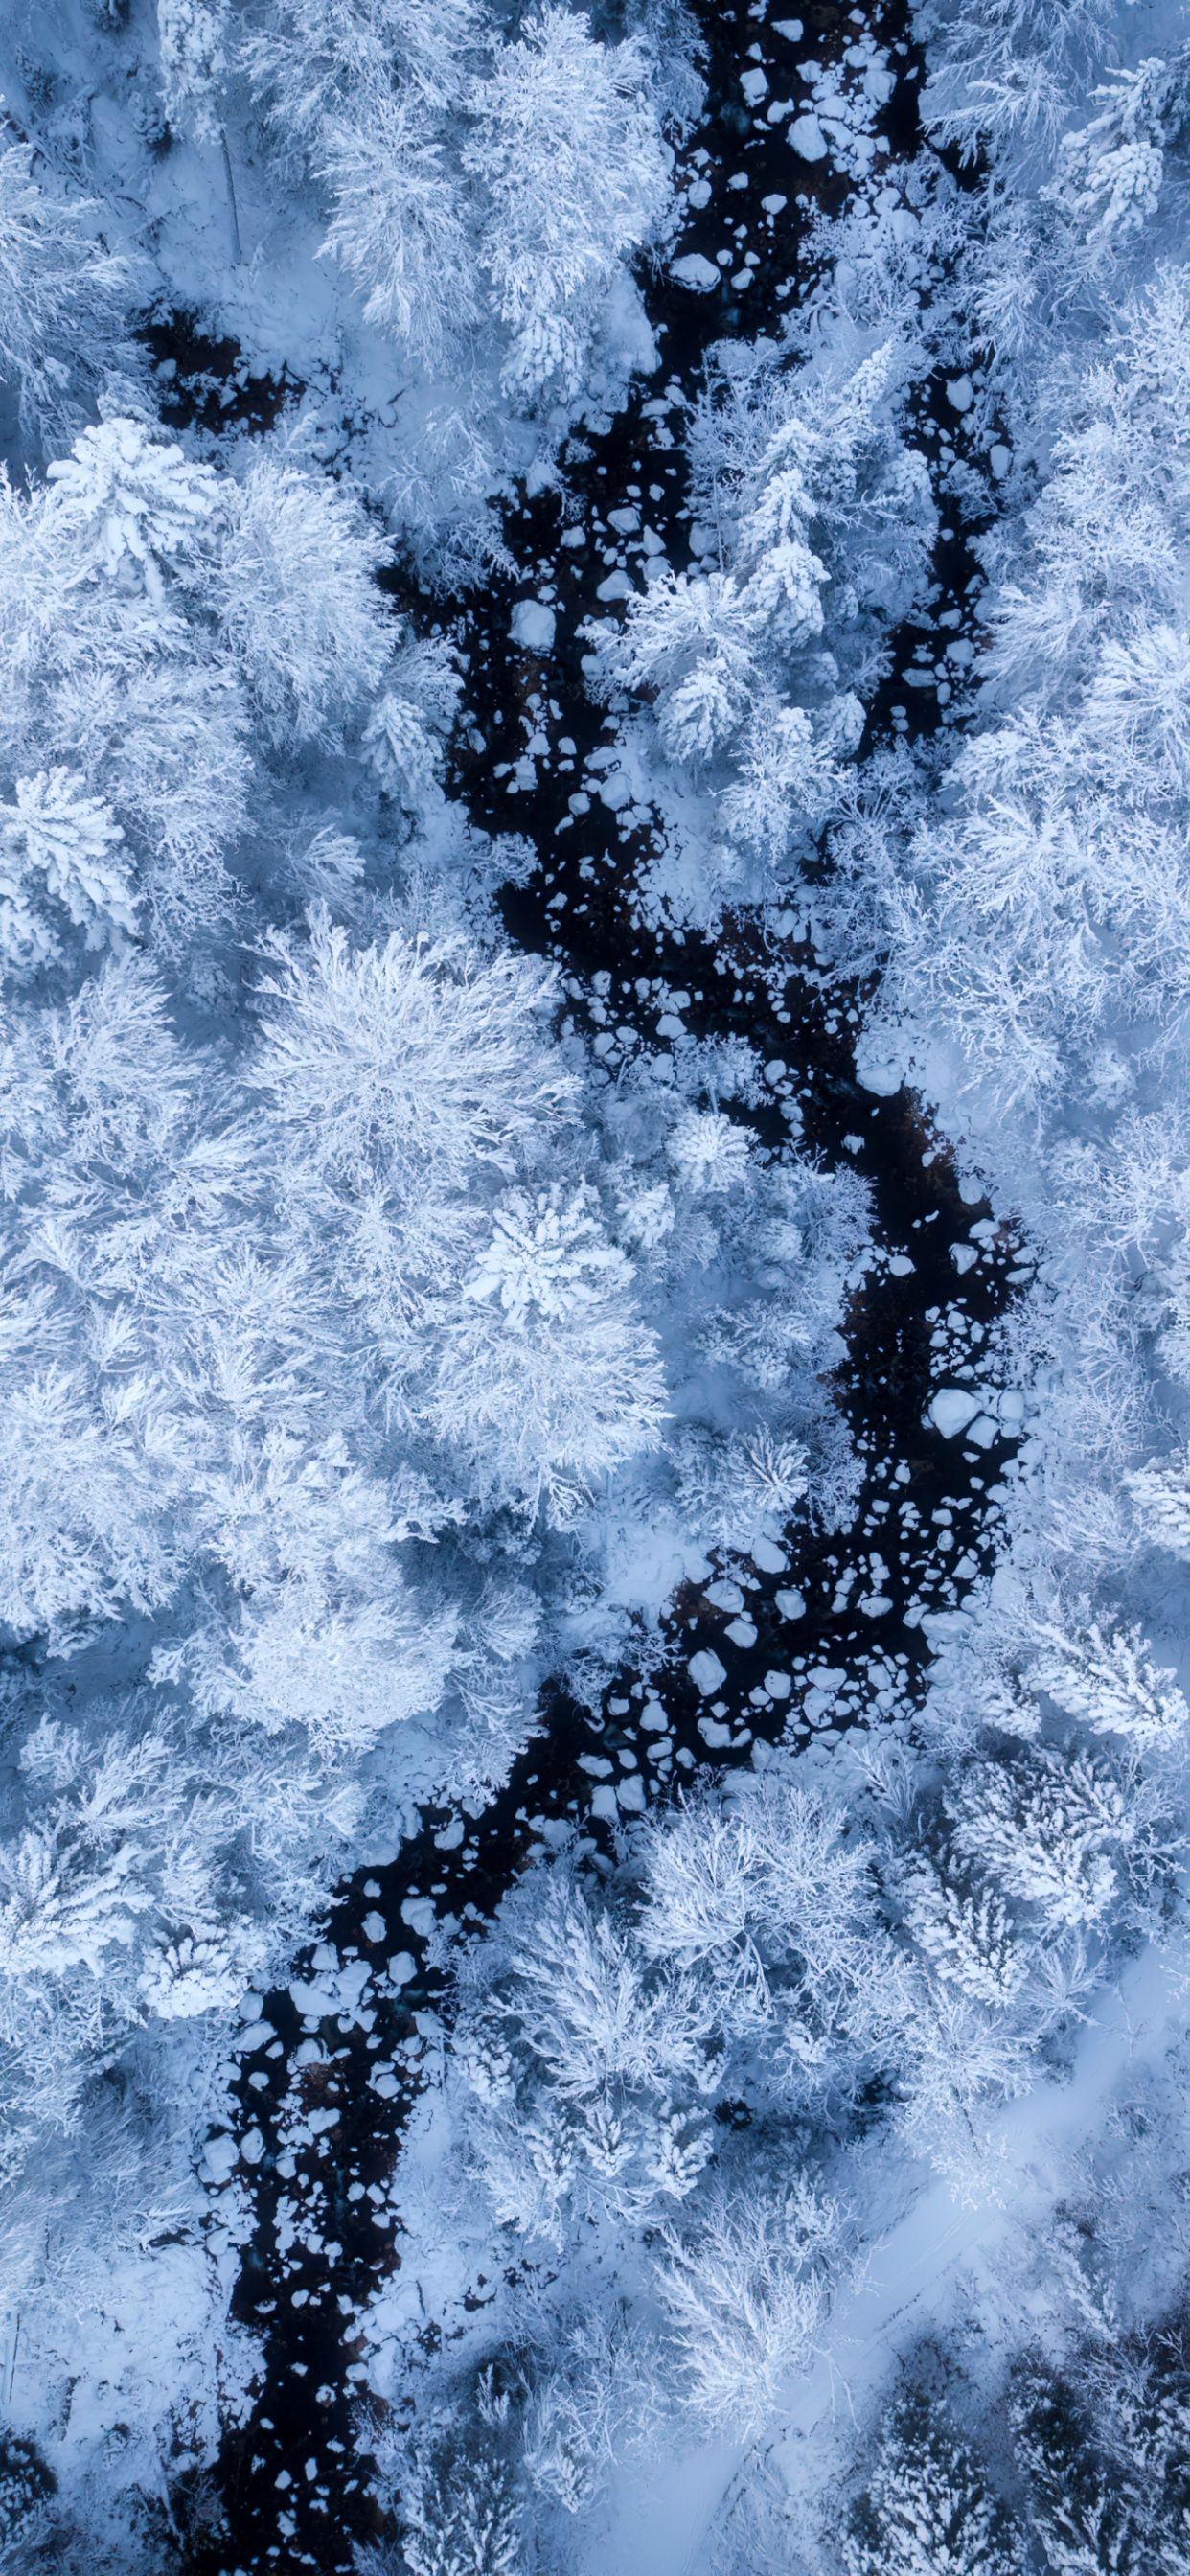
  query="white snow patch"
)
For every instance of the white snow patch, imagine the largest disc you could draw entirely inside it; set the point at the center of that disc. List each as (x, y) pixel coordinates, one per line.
(807, 138)
(532, 626)
(952, 1409)
(694, 271)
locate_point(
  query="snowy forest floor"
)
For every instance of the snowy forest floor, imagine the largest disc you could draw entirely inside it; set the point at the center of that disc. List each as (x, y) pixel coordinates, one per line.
(918, 2275)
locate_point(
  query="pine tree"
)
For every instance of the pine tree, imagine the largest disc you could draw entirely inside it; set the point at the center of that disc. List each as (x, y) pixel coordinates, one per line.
(693, 638)
(193, 37)
(747, 2293)
(63, 294)
(1161, 1498)
(324, 65)
(1107, 1679)
(566, 148)
(399, 228)
(547, 1256)
(459, 2521)
(26, 2485)
(57, 839)
(1053, 1829)
(404, 734)
(927, 2508)
(1109, 173)
(1080, 2511)
(132, 503)
(965, 1931)
(294, 593)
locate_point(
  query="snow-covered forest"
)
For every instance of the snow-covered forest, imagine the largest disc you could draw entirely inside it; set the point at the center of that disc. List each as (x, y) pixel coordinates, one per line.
(595, 1139)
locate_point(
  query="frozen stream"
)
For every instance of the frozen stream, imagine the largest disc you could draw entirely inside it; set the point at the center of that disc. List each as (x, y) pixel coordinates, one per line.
(328, 2068)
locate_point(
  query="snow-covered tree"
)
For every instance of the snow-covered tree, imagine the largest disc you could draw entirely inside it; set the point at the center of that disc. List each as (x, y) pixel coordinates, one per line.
(25, 2487)
(1109, 173)
(747, 2292)
(694, 638)
(325, 63)
(566, 148)
(1081, 2513)
(58, 841)
(64, 293)
(1046, 909)
(595, 2402)
(759, 664)
(584, 2071)
(194, 40)
(293, 591)
(399, 227)
(409, 1063)
(927, 2508)
(1107, 1679)
(131, 504)
(1049, 1829)
(1004, 74)
(545, 1374)
(770, 1901)
(458, 2521)
(1160, 1493)
(404, 734)
(965, 1930)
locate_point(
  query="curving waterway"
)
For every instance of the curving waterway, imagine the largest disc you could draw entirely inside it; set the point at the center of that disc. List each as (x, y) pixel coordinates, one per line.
(324, 2226)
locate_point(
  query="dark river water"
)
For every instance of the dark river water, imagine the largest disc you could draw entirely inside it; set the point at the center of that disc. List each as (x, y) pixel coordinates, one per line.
(294, 2479)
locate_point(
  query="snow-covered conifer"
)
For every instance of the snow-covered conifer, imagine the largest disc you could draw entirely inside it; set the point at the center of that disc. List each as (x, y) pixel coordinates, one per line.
(25, 2487)
(693, 638)
(927, 2508)
(1109, 173)
(1052, 1829)
(1107, 1679)
(965, 1931)
(399, 227)
(1081, 2512)
(566, 147)
(404, 734)
(546, 1375)
(64, 293)
(131, 503)
(326, 63)
(296, 601)
(60, 842)
(412, 1062)
(1160, 1493)
(458, 2519)
(747, 2292)
(194, 40)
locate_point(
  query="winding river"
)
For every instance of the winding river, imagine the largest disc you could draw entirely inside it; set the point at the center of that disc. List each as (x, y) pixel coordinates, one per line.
(323, 2091)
